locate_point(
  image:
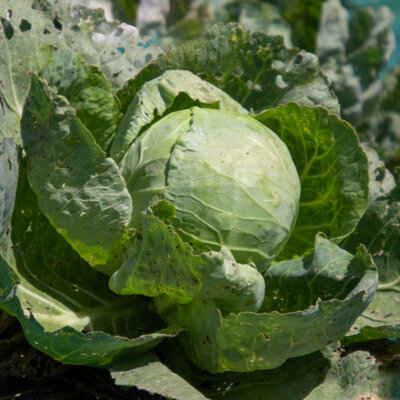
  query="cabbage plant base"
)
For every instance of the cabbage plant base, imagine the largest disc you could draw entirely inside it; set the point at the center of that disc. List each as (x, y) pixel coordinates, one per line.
(279, 329)
(69, 221)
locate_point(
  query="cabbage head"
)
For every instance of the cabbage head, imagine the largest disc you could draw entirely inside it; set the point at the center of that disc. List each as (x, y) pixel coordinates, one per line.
(229, 178)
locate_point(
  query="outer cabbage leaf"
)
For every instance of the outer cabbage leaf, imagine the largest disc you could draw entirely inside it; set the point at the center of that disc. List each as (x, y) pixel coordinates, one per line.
(333, 171)
(86, 88)
(324, 375)
(329, 374)
(64, 306)
(379, 231)
(248, 341)
(149, 373)
(255, 69)
(115, 48)
(80, 190)
(172, 91)
(8, 186)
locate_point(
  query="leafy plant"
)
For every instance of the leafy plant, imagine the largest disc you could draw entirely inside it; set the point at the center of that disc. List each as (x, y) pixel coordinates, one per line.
(194, 213)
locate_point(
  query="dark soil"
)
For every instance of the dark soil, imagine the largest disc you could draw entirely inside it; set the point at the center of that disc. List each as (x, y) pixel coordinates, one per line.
(27, 374)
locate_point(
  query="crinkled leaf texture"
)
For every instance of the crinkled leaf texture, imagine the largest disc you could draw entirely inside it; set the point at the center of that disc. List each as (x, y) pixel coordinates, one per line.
(64, 306)
(79, 189)
(333, 171)
(379, 230)
(115, 48)
(286, 326)
(85, 87)
(255, 69)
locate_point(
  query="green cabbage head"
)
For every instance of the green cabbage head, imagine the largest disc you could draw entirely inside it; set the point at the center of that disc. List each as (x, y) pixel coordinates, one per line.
(230, 179)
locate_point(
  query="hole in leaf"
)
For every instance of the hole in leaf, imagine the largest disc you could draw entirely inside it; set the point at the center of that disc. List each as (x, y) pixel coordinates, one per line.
(7, 27)
(25, 25)
(56, 22)
(298, 59)
(148, 57)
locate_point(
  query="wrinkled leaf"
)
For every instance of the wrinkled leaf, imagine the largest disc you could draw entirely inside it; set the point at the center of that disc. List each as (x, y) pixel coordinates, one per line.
(379, 230)
(255, 69)
(333, 171)
(86, 88)
(115, 48)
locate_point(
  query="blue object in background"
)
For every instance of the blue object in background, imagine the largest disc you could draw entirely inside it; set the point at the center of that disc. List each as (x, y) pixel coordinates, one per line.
(394, 6)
